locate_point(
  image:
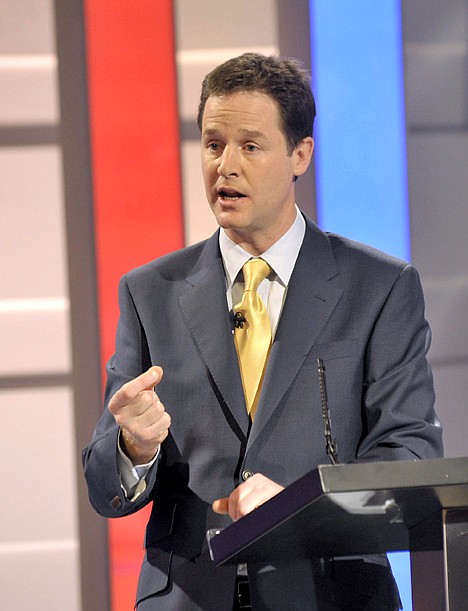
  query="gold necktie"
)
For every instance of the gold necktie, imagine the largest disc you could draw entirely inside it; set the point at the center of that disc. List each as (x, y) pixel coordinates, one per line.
(252, 333)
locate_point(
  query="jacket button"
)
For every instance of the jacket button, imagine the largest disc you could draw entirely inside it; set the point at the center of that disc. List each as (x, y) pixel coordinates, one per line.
(246, 474)
(116, 503)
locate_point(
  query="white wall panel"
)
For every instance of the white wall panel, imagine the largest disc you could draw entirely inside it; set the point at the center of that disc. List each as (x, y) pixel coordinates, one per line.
(40, 580)
(37, 458)
(28, 89)
(35, 337)
(26, 26)
(220, 23)
(33, 261)
(199, 221)
(39, 546)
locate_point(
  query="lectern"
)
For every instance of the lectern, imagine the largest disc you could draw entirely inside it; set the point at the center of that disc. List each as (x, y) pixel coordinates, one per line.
(368, 508)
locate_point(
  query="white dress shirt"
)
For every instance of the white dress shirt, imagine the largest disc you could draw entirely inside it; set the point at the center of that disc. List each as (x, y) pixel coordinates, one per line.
(281, 257)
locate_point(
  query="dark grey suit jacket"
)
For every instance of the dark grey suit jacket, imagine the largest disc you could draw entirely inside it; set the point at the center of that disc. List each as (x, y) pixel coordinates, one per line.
(358, 309)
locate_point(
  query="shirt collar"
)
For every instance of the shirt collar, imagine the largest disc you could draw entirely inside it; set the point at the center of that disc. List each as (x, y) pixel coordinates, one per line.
(281, 256)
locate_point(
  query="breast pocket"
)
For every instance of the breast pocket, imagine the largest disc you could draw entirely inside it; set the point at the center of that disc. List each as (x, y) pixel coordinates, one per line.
(342, 368)
(340, 389)
(331, 351)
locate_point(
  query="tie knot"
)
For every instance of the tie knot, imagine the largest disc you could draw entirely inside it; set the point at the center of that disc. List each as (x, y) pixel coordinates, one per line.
(255, 270)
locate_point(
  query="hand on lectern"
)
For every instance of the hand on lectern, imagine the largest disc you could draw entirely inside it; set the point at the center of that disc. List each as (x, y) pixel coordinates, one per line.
(248, 496)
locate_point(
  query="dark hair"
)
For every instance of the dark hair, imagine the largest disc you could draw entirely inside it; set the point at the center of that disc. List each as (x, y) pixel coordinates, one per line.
(284, 80)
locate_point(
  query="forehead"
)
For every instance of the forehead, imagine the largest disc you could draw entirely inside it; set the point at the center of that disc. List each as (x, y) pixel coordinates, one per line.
(243, 109)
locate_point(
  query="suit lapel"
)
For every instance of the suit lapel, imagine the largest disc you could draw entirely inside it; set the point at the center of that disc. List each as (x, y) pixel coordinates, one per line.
(204, 309)
(309, 304)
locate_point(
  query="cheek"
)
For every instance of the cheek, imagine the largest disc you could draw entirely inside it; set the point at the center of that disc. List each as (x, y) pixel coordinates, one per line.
(277, 183)
(208, 172)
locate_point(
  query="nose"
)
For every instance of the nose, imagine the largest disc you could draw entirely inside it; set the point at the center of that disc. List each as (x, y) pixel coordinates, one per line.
(228, 162)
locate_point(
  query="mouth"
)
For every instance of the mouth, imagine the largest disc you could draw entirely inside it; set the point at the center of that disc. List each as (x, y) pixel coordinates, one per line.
(230, 195)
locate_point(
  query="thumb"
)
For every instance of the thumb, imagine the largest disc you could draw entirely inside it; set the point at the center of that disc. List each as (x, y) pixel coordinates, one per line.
(156, 376)
(157, 373)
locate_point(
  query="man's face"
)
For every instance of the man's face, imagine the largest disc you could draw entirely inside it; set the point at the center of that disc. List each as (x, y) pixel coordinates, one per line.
(248, 173)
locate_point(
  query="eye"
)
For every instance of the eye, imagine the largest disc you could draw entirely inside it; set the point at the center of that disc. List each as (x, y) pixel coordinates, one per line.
(251, 148)
(214, 147)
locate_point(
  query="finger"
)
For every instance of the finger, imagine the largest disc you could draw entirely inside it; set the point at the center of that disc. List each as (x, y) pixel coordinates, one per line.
(144, 408)
(130, 390)
(144, 415)
(159, 429)
(251, 494)
(241, 505)
(221, 506)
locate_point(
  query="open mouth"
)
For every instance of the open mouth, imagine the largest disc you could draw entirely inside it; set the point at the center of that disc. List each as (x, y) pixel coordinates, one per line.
(230, 195)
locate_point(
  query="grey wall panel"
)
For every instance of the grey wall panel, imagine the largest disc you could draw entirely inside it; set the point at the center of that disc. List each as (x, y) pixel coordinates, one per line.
(447, 311)
(433, 21)
(436, 71)
(438, 191)
(436, 85)
(78, 204)
(451, 382)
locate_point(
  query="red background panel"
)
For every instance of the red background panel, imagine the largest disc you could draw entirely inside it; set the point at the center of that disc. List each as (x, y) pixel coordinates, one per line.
(134, 138)
(136, 182)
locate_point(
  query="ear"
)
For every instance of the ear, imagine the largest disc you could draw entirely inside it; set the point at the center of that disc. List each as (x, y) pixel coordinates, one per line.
(302, 155)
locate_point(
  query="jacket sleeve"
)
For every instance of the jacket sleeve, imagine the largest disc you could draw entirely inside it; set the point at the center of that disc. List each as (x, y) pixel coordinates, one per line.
(398, 393)
(100, 462)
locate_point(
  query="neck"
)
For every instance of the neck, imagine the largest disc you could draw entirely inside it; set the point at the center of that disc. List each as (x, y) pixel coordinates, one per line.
(256, 243)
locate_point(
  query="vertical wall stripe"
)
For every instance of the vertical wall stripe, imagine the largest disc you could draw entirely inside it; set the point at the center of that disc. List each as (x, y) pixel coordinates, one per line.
(136, 182)
(361, 143)
(360, 158)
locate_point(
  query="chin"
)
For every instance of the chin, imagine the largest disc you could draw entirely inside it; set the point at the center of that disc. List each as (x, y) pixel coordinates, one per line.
(226, 218)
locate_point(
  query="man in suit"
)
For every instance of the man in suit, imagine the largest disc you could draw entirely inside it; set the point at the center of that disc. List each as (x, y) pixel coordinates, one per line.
(176, 431)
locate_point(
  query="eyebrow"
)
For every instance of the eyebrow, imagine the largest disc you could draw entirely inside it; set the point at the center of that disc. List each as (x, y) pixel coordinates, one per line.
(250, 133)
(210, 132)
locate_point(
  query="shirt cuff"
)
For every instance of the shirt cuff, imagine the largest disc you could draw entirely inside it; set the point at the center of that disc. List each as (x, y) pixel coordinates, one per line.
(132, 477)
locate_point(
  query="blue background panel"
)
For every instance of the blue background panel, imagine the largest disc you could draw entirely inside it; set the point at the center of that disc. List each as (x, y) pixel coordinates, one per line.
(360, 158)
(360, 131)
